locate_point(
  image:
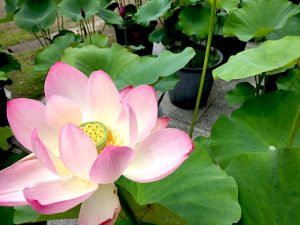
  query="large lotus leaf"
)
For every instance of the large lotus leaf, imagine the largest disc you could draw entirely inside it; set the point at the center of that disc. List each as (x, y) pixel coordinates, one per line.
(194, 20)
(199, 191)
(11, 6)
(256, 19)
(110, 17)
(25, 214)
(7, 215)
(269, 186)
(262, 124)
(146, 214)
(124, 67)
(45, 59)
(290, 81)
(230, 5)
(74, 9)
(36, 15)
(292, 28)
(151, 11)
(269, 56)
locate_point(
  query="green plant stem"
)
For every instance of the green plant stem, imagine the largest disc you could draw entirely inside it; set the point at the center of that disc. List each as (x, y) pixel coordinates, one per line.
(294, 129)
(57, 20)
(103, 28)
(39, 40)
(209, 39)
(88, 31)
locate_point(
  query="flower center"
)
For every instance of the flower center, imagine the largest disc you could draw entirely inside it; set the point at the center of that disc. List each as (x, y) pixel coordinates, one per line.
(97, 132)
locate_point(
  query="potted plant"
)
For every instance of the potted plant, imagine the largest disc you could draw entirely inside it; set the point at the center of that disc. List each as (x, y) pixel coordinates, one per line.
(134, 22)
(188, 25)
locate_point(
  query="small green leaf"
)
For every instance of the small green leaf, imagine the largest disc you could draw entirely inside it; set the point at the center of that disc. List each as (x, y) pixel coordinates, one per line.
(262, 124)
(199, 191)
(110, 17)
(45, 59)
(7, 18)
(99, 40)
(151, 10)
(290, 81)
(8, 63)
(269, 186)
(194, 20)
(73, 9)
(5, 133)
(240, 93)
(158, 35)
(3, 76)
(36, 15)
(256, 19)
(266, 57)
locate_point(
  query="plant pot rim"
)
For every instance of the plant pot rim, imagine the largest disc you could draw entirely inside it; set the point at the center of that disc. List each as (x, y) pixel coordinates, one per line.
(215, 65)
(123, 26)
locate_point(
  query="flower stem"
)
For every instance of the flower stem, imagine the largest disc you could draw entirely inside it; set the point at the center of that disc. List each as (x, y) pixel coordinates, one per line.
(209, 39)
(294, 129)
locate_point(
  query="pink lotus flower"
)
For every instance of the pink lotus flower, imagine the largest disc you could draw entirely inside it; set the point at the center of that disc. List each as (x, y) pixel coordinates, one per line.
(85, 137)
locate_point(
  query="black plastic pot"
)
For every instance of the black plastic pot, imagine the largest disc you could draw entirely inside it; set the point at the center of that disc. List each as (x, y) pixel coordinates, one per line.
(185, 92)
(228, 46)
(135, 35)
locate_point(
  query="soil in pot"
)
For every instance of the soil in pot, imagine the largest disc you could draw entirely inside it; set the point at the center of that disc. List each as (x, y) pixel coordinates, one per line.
(228, 46)
(184, 95)
(136, 35)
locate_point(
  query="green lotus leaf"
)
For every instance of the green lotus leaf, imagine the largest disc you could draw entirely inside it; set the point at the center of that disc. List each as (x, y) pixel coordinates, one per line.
(45, 59)
(166, 83)
(73, 9)
(151, 10)
(124, 67)
(36, 15)
(269, 186)
(240, 93)
(8, 63)
(7, 215)
(256, 19)
(269, 56)
(9, 17)
(290, 81)
(158, 35)
(262, 124)
(25, 214)
(110, 17)
(194, 20)
(99, 40)
(292, 28)
(230, 5)
(199, 191)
